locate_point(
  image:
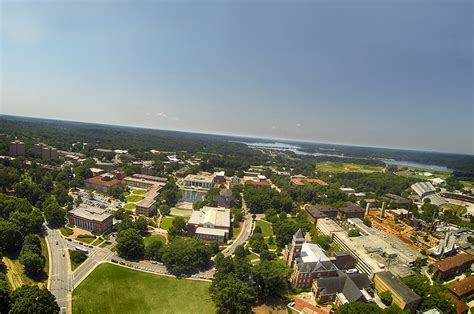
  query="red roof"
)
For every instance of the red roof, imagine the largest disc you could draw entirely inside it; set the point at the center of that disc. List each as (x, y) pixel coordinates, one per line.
(99, 180)
(262, 182)
(302, 181)
(453, 262)
(463, 287)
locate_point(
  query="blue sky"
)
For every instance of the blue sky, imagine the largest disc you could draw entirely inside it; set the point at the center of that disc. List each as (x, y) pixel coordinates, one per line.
(378, 73)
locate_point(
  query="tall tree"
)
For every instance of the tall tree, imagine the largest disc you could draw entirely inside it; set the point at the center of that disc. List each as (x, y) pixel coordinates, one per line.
(32, 299)
(130, 244)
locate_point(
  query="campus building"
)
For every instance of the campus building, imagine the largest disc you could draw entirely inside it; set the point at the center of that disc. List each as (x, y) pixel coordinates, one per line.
(210, 223)
(308, 261)
(452, 266)
(343, 288)
(318, 211)
(402, 295)
(148, 205)
(48, 152)
(94, 219)
(301, 181)
(17, 148)
(373, 249)
(103, 183)
(202, 181)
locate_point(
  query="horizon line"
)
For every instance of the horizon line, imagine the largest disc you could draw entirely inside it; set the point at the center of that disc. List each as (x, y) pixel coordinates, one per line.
(254, 137)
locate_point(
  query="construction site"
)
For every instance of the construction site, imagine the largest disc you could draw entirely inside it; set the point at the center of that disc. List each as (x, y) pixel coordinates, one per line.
(421, 237)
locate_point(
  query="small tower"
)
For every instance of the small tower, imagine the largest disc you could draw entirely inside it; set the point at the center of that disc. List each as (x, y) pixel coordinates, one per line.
(294, 248)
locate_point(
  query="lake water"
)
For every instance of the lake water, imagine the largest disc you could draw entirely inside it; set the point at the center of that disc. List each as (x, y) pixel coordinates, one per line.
(296, 149)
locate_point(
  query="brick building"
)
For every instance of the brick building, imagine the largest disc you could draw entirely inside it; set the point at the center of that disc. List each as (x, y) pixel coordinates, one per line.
(103, 183)
(451, 266)
(91, 218)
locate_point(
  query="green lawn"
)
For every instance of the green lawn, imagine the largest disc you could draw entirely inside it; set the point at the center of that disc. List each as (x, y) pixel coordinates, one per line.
(114, 289)
(97, 242)
(338, 167)
(66, 231)
(134, 198)
(104, 244)
(166, 222)
(74, 264)
(86, 238)
(139, 192)
(148, 240)
(44, 252)
(235, 233)
(129, 206)
(267, 229)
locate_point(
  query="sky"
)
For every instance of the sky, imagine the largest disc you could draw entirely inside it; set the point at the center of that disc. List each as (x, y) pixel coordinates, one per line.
(374, 73)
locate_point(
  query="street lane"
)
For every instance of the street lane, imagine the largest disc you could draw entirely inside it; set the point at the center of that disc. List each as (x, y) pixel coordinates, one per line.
(59, 267)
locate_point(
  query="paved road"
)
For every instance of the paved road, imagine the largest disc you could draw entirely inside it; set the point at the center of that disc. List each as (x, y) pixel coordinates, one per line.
(59, 267)
(244, 233)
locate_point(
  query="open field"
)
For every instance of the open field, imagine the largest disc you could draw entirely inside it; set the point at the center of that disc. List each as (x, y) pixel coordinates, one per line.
(468, 184)
(267, 229)
(15, 272)
(166, 222)
(156, 237)
(129, 206)
(338, 167)
(138, 191)
(86, 238)
(114, 289)
(235, 233)
(134, 198)
(66, 231)
(97, 242)
(74, 263)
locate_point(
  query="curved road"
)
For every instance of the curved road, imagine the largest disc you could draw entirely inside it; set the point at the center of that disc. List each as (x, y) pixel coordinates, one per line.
(58, 267)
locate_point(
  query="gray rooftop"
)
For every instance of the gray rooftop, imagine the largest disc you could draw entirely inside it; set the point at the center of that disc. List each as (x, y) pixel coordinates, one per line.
(91, 213)
(399, 287)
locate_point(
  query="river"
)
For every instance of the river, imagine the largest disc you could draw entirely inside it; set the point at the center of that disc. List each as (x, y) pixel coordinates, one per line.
(297, 150)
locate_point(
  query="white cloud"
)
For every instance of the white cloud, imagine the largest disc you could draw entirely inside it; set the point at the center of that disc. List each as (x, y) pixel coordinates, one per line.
(165, 116)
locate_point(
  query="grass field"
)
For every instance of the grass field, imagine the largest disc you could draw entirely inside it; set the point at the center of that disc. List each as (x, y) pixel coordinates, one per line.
(97, 242)
(15, 271)
(104, 244)
(114, 289)
(130, 206)
(66, 231)
(235, 233)
(44, 252)
(148, 240)
(74, 264)
(267, 229)
(468, 184)
(134, 198)
(460, 210)
(338, 167)
(86, 238)
(138, 191)
(166, 222)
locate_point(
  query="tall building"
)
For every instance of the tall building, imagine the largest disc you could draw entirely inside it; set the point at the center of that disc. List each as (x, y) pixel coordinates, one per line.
(17, 148)
(48, 152)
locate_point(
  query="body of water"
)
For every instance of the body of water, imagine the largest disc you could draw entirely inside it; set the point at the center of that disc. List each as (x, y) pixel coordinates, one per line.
(297, 150)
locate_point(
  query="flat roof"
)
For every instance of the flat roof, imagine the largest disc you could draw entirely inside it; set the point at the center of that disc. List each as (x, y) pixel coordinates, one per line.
(91, 213)
(216, 216)
(211, 231)
(311, 252)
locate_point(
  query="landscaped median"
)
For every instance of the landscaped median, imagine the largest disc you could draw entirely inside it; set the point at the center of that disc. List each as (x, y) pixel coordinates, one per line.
(116, 289)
